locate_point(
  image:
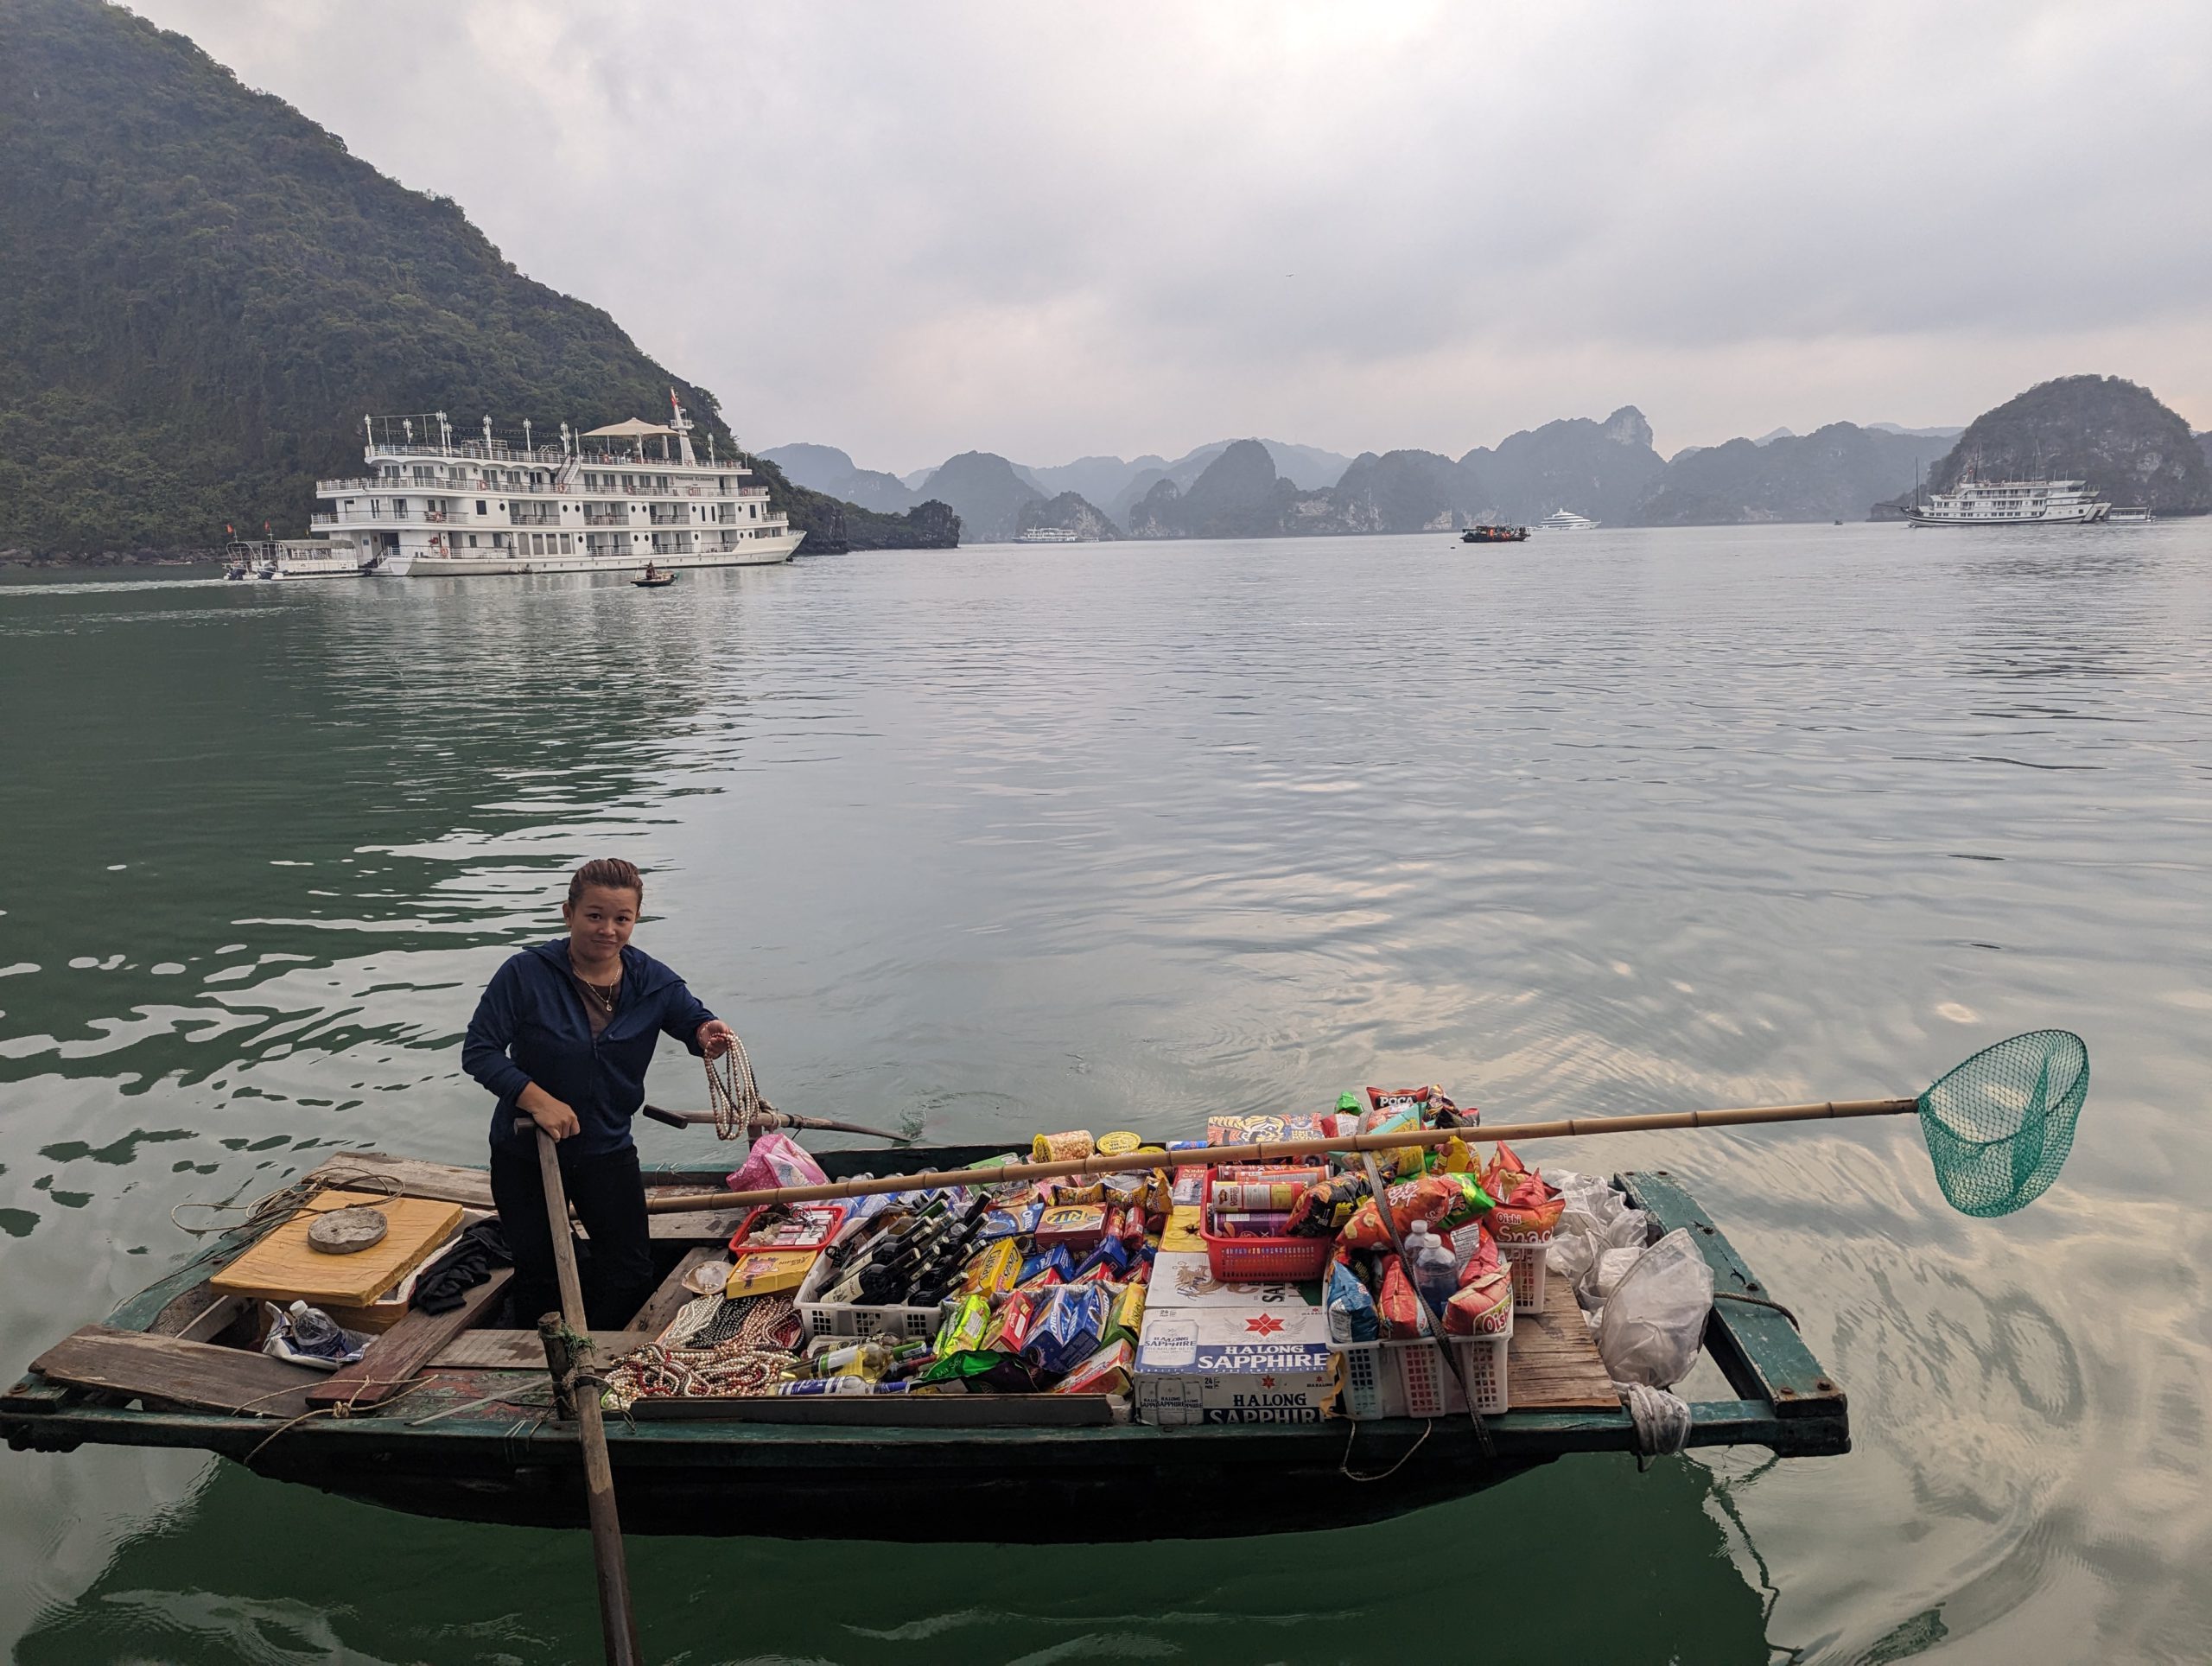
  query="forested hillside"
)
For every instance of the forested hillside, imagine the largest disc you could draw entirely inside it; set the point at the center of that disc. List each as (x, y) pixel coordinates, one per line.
(201, 293)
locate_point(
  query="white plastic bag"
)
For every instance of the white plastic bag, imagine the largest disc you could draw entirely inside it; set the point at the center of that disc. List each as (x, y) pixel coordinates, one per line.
(1655, 1322)
(1595, 1288)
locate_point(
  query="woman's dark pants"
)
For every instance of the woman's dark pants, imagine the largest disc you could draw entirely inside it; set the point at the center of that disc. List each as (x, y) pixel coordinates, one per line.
(609, 1196)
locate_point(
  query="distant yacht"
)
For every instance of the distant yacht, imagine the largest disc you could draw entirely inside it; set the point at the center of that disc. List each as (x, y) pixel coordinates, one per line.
(438, 504)
(2011, 503)
(1565, 520)
(290, 558)
(2135, 515)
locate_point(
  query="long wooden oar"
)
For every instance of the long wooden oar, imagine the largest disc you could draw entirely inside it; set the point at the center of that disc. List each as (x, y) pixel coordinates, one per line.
(772, 1120)
(617, 1627)
(1269, 1151)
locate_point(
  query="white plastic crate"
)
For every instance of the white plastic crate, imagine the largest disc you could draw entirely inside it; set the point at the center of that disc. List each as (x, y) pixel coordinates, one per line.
(852, 1318)
(1526, 1261)
(1428, 1386)
(1410, 1379)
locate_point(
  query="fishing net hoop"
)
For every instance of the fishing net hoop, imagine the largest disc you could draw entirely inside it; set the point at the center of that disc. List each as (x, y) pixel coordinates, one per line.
(1999, 1126)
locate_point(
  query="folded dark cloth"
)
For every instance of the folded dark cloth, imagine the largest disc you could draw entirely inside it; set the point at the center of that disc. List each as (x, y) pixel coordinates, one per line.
(442, 1285)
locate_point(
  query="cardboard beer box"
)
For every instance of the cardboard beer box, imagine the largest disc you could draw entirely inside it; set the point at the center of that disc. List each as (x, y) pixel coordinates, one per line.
(1180, 1236)
(1212, 1353)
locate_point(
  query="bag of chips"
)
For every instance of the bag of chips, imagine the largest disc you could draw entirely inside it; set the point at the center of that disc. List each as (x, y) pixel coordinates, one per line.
(1444, 1201)
(1527, 1208)
(1398, 1309)
(962, 1331)
(1351, 1309)
(1068, 1325)
(1481, 1307)
(1320, 1209)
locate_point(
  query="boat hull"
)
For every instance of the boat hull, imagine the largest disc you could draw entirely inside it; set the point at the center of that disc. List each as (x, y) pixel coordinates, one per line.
(756, 552)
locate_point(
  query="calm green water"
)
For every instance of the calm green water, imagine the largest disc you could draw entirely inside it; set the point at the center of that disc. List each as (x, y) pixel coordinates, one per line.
(1015, 839)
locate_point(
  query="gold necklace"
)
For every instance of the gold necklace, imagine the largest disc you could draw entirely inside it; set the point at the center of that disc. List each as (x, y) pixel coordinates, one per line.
(606, 993)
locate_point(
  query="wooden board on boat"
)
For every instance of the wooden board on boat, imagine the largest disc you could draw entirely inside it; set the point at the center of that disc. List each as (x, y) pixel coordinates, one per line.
(169, 1369)
(1552, 1363)
(283, 1265)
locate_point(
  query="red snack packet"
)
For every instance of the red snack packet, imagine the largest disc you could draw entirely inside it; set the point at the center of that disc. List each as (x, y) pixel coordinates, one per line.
(1481, 1307)
(1398, 1309)
(1528, 1208)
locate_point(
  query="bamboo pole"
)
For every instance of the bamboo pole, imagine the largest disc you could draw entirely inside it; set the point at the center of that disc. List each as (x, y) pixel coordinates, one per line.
(1267, 1151)
(618, 1626)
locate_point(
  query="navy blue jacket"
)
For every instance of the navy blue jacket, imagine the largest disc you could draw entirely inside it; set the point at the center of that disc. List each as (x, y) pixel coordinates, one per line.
(532, 1027)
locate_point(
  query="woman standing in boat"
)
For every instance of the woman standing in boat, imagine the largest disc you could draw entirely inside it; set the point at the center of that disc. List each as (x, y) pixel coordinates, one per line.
(562, 1035)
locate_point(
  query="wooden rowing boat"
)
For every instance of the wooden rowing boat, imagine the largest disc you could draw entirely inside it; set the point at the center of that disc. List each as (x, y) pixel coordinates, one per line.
(446, 1418)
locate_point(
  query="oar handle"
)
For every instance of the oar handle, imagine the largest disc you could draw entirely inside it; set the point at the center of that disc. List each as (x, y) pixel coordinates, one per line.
(1275, 1150)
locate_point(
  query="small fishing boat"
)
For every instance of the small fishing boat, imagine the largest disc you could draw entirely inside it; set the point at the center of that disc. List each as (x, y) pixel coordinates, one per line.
(446, 1417)
(654, 579)
(1483, 533)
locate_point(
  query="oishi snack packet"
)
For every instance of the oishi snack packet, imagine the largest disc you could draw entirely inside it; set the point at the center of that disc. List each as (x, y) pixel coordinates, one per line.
(1527, 1208)
(1444, 1201)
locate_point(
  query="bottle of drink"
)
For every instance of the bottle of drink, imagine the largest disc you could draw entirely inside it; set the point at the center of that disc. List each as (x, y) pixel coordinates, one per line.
(1435, 1274)
(314, 1331)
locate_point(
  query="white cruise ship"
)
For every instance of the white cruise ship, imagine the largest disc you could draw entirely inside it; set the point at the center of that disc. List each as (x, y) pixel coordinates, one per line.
(2011, 503)
(1565, 520)
(439, 502)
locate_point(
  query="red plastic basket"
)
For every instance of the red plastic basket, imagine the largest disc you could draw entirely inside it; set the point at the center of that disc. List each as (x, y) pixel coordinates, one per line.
(1261, 1261)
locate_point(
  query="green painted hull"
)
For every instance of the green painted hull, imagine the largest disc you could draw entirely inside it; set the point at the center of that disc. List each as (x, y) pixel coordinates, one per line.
(1075, 1485)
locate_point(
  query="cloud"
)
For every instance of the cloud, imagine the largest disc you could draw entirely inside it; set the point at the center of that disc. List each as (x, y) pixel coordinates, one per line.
(1053, 231)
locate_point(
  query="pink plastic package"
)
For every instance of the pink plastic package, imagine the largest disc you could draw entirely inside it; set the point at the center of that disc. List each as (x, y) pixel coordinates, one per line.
(777, 1159)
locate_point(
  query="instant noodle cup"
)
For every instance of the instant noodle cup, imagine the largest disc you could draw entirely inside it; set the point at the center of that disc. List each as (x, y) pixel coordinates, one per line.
(1061, 1147)
(1119, 1143)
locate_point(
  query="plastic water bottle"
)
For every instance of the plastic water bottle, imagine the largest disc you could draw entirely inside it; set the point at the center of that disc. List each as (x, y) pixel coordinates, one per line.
(1436, 1276)
(314, 1331)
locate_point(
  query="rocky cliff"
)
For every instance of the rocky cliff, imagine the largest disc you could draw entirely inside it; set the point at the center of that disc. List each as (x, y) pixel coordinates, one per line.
(1603, 470)
(1237, 495)
(2111, 433)
(985, 493)
(1068, 512)
(1836, 471)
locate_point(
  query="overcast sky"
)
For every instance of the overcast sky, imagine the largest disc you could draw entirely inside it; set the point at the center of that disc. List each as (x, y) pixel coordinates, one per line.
(1052, 229)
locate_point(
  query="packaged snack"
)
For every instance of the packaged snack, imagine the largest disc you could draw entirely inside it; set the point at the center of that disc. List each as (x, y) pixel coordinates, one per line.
(1125, 1190)
(1352, 1308)
(1279, 1192)
(1189, 1183)
(1444, 1201)
(1068, 1324)
(963, 1328)
(1111, 1253)
(1395, 1161)
(788, 1226)
(1106, 1371)
(1017, 1222)
(995, 1271)
(1061, 1147)
(1424, 1103)
(1481, 1307)
(1079, 1227)
(1126, 1317)
(1398, 1309)
(1528, 1208)
(1119, 1143)
(1010, 1329)
(1475, 1250)
(1057, 1260)
(1319, 1208)
(1182, 1231)
(1075, 1191)
(769, 1272)
(1268, 1129)
(1251, 1224)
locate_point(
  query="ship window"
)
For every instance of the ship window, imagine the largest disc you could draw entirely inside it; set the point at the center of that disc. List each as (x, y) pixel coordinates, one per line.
(480, 510)
(472, 544)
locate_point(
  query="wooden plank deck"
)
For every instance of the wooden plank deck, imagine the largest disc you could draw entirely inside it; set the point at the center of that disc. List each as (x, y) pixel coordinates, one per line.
(518, 1350)
(167, 1369)
(389, 1362)
(1552, 1363)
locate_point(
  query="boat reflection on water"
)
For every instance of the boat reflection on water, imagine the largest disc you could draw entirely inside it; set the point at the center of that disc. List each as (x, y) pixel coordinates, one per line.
(1588, 1560)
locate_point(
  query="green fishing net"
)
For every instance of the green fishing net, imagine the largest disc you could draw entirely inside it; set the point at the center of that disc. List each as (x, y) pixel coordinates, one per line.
(1998, 1127)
